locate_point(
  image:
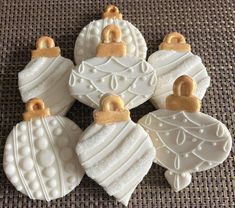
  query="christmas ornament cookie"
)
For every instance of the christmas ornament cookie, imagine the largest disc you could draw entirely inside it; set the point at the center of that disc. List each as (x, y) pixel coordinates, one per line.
(173, 60)
(114, 151)
(39, 156)
(111, 71)
(46, 76)
(185, 139)
(89, 38)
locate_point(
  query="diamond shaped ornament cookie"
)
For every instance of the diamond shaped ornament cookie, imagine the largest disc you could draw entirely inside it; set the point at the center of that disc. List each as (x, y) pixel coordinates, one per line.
(90, 36)
(173, 60)
(46, 76)
(111, 71)
(39, 155)
(185, 139)
(114, 151)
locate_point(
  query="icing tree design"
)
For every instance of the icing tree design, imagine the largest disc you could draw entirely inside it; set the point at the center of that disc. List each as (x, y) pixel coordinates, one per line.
(173, 60)
(114, 151)
(129, 77)
(186, 142)
(89, 38)
(46, 76)
(39, 156)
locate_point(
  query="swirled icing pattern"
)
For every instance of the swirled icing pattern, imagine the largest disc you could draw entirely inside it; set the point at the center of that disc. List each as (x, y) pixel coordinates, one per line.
(171, 64)
(131, 78)
(47, 78)
(40, 159)
(186, 143)
(89, 38)
(117, 156)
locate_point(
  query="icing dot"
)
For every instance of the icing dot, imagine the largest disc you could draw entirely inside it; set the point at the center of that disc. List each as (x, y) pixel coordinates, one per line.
(199, 147)
(173, 117)
(167, 151)
(90, 86)
(170, 173)
(102, 80)
(45, 158)
(23, 138)
(131, 70)
(127, 39)
(26, 164)
(19, 188)
(94, 31)
(38, 194)
(167, 133)
(134, 86)
(54, 193)
(39, 132)
(10, 170)
(214, 143)
(201, 131)
(186, 155)
(30, 176)
(122, 95)
(160, 124)
(100, 96)
(71, 179)
(143, 78)
(24, 151)
(131, 48)
(41, 143)
(66, 154)
(185, 120)
(62, 142)
(79, 96)
(49, 172)
(125, 31)
(94, 70)
(9, 158)
(70, 167)
(37, 122)
(58, 131)
(194, 140)
(14, 179)
(52, 183)
(196, 168)
(8, 147)
(54, 122)
(22, 127)
(210, 163)
(183, 174)
(34, 185)
(81, 80)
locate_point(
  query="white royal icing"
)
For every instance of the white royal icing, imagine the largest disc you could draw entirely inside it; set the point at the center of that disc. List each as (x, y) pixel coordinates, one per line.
(117, 156)
(90, 37)
(47, 78)
(171, 64)
(40, 159)
(186, 143)
(133, 79)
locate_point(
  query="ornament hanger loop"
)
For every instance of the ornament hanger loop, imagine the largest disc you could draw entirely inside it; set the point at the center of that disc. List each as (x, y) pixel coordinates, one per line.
(111, 11)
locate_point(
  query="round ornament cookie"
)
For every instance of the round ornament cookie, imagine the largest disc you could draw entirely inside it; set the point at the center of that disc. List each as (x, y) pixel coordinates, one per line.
(173, 60)
(185, 139)
(46, 76)
(114, 151)
(90, 36)
(111, 71)
(39, 156)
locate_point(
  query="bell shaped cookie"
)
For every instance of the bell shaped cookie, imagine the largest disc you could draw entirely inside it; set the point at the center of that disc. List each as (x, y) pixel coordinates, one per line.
(46, 76)
(90, 36)
(114, 151)
(111, 71)
(173, 60)
(39, 155)
(185, 139)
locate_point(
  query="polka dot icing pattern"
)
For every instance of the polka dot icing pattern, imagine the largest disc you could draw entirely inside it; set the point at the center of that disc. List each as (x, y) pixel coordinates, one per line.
(117, 156)
(89, 38)
(186, 143)
(47, 78)
(131, 78)
(172, 64)
(37, 154)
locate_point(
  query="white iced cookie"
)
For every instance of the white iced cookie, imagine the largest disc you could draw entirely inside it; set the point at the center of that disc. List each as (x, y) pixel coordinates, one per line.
(186, 142)
(173, 60)
(46, 76)
(111, 71)
(90, 36)
(39, 156)
(114, 151)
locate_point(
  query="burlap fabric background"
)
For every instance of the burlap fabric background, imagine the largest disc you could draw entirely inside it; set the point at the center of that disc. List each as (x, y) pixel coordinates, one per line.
(209, 26)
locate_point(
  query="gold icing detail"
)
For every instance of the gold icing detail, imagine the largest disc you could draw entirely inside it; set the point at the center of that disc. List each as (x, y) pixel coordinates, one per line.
(112, 11)
(182, 98)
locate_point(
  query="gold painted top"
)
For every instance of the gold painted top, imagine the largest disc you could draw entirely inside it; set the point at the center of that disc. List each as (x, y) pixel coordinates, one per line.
(111, 11)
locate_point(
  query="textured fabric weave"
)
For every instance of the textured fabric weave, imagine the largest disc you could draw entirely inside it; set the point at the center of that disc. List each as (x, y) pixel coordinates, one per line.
(208, 25)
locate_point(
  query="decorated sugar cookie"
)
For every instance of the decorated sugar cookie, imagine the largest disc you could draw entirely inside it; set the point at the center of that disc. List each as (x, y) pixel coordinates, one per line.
(114, 151)
(90, 36)
(46, 76)
(111, 71)
(39, 156)
(185, 139)
(173, 60)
